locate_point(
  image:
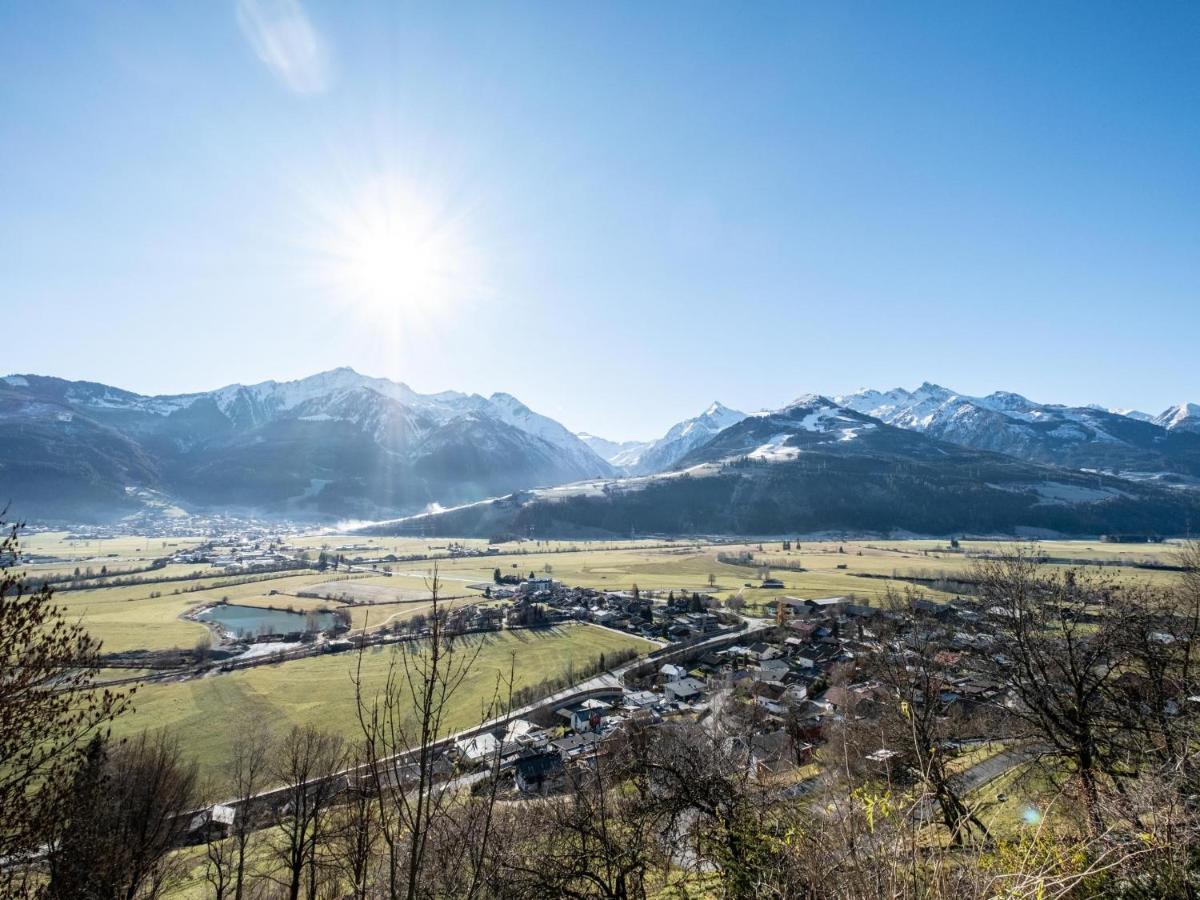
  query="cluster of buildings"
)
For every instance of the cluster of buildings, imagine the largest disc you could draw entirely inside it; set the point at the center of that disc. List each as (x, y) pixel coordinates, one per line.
(775, 689)
(676, 617)
(237, 554)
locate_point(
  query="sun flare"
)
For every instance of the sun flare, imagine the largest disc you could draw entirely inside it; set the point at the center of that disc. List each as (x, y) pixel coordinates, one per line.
(395, 251)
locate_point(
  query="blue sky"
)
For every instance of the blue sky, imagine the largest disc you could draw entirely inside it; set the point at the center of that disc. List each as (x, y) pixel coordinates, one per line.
(616, 212)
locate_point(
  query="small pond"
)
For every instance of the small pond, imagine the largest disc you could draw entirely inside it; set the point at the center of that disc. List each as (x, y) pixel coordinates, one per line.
(251, 621)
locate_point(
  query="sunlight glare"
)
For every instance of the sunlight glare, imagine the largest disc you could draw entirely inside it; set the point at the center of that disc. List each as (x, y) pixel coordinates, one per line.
(396, 252)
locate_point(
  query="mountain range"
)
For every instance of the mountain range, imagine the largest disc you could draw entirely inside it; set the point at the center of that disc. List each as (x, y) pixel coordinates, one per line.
(333, 445)
(1130, 444)
(340, 444)
(647, 457)
(820, 466)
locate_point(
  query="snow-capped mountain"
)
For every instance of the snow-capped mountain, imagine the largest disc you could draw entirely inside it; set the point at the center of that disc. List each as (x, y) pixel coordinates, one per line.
(619, 454)
(338, 443)
(1087, 437)
(809, 422)
(680, 439)
(818, 466)
(1184, 417)
(507, 408)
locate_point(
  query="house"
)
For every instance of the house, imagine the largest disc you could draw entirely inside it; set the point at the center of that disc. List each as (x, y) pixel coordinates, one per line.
(479, 747)
(771, 753)
(641, 699)
(826, 606)
(574, 745)
(214, 822)
(787, 607)
(771, 583)
(535, 771)
(796, 693)
(585, 716)
(767, 695)
(764, 651)
(702, 623)
(773, 669)
(672, 672)
(520, 735)
(685, 690)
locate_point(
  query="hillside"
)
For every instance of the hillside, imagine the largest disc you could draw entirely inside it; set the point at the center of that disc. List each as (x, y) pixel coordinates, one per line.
(335, 444)
(816, 466)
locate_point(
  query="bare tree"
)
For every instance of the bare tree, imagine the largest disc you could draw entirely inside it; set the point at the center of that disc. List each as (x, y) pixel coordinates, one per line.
(917, 723)
(1059, 649)
(402, 723)
(49, 710)
(354, 833)
(128, 811)
(226, 858)
(306, 762)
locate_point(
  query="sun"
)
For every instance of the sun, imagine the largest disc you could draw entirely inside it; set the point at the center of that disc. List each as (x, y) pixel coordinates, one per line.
(395, 251)
(396, 264)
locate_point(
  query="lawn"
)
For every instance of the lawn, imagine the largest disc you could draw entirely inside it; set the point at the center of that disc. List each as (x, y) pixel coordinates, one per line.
(207, 713)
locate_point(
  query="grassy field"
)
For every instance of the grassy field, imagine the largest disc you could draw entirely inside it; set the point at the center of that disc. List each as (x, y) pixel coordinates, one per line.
(127, 618)
(61, 544)
(206, 712)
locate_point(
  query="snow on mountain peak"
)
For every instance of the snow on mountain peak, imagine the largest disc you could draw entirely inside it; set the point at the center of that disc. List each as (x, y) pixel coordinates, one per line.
(1184, 416)
(810, 400)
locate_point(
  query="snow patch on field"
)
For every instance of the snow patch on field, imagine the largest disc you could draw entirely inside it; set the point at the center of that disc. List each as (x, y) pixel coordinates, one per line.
(267, 648)
(776, 448)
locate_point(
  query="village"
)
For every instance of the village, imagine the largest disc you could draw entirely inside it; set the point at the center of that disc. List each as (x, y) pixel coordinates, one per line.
(772, 686)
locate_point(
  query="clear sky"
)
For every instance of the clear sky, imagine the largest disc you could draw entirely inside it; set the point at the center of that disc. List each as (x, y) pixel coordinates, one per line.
(617, 212)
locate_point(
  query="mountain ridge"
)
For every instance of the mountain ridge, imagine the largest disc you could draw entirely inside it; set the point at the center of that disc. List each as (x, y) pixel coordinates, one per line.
(335, 443)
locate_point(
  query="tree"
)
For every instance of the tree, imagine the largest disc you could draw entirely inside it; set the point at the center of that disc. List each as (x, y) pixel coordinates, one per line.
(305, 762)
(401, 724)
(1059, 645)
(354, 832)
(712, 580)
(126, 814)
(916, 722)
(203, 648)
(496, 575)
(49, 711)
(226, 860)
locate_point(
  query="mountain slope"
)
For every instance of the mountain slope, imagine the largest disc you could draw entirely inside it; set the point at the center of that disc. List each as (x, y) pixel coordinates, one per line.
(648, 457)
(1184, 417)
(1073, 437)
(816, 466)
(334, 444)
(619, 454)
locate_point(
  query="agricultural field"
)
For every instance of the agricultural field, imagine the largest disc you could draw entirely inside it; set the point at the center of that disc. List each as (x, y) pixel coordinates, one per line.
(63, 545)
(205, 713)
(370, 546)
(129, 617)
(404, 587)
